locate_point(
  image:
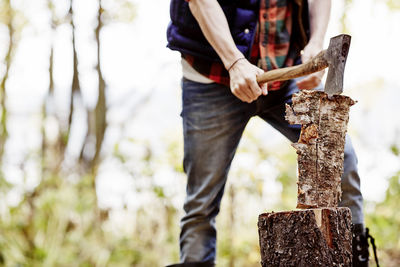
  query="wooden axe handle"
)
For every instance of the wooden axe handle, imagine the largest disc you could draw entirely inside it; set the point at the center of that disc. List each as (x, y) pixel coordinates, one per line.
(316, 64)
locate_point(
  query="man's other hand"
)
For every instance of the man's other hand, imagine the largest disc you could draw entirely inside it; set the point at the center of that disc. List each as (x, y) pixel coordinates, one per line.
(313, 80)
(243, 81)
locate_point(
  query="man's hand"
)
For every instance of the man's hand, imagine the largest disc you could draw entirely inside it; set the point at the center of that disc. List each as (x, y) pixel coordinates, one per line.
(243, 81)
(319, 11)
(312, 80)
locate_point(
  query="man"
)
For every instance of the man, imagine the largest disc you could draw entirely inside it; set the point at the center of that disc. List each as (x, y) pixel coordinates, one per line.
(225, 44)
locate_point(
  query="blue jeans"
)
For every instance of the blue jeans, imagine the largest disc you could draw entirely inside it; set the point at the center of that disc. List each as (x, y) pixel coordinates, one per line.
(213, 123)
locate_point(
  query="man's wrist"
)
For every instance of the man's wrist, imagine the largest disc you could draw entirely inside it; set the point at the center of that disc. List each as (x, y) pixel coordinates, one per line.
(317, 40)
(231, 58)
(234, 62)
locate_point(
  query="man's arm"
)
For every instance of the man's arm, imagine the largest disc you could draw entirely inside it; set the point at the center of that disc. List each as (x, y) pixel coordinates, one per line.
(319, 11)
(215, 28)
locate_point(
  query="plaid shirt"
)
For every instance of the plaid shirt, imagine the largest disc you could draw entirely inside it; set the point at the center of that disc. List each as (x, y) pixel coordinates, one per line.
(271, 49)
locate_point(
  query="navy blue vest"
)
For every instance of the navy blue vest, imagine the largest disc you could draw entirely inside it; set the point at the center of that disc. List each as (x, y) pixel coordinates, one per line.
(184, 33)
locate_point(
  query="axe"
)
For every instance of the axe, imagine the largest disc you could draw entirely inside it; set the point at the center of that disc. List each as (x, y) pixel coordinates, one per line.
(334, 57)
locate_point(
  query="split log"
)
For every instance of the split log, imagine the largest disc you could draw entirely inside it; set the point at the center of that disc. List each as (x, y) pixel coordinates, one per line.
(313, 237)
(320, 147)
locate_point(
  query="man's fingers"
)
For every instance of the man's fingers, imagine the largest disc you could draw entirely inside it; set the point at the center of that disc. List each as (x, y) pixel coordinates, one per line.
(241, 94)
(243, 81)
(305, 57)
(309, 82)
(264, 88)
(254, 87)
(244, 88)
(306, 85)
(249, 90)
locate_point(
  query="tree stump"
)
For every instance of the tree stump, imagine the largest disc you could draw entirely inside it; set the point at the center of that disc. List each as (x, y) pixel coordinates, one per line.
(312, 237)
(320, 236)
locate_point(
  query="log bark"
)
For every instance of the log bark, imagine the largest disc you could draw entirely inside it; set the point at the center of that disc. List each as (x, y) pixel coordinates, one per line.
(312, 237)
(320, 147)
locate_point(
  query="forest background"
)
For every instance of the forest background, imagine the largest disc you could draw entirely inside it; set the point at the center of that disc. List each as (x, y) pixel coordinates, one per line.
(91, 146)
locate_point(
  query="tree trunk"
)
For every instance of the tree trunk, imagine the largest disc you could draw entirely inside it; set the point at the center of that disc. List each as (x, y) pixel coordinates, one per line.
(101, 107)
(312, 237)
(320, 147)
(97, 123)
(75, 87)
(3, 82)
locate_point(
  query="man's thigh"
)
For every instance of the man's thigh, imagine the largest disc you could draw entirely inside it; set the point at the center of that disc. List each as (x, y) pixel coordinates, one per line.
(209, 106)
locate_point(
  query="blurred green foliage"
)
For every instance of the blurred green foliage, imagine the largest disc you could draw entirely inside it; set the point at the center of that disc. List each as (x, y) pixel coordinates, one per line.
(383, 219)
(393, 4)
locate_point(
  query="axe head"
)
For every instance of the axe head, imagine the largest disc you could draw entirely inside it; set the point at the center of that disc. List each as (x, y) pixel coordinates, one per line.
(336, 55)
